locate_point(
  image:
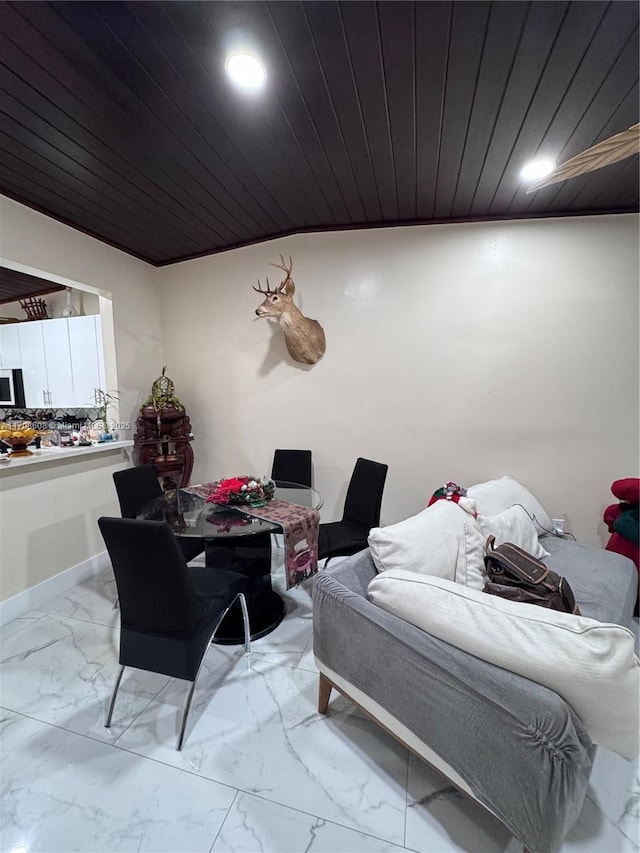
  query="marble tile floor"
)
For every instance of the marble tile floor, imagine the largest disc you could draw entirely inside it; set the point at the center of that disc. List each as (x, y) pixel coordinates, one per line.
(261, 770)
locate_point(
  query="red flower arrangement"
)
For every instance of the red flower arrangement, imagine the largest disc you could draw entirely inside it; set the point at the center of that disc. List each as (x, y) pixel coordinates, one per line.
(254, 491)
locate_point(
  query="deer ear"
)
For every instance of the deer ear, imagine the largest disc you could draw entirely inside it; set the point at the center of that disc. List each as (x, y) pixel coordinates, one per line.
(289, 287)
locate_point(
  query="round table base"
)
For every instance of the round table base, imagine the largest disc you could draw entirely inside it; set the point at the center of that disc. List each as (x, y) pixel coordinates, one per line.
(262, 620)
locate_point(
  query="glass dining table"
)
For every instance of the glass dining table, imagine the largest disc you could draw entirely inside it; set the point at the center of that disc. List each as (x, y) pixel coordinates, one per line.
(238, 542)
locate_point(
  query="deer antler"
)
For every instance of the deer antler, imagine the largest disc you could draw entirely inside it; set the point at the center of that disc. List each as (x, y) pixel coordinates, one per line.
(280, 266)
(268, 291)
(283, 266)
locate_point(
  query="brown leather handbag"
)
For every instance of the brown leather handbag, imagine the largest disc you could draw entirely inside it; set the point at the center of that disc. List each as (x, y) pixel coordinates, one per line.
(519, 576)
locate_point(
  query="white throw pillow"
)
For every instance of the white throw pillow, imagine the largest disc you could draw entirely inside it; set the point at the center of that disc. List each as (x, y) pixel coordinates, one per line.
(590, 664)
(432, 542)
(473, 573)
(494, 496)
(513, 525)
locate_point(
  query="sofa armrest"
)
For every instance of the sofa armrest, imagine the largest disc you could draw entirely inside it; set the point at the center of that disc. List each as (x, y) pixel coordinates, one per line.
(508, 738)
(354, 573)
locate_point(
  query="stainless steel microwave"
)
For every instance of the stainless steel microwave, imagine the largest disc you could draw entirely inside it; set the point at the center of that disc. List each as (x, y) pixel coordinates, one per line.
(11, 388)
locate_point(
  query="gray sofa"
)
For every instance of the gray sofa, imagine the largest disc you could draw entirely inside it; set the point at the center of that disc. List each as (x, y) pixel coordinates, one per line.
(524, 755)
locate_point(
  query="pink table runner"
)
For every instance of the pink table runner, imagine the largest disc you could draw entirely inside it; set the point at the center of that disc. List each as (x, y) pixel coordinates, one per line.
(299, 524)
(300, 527)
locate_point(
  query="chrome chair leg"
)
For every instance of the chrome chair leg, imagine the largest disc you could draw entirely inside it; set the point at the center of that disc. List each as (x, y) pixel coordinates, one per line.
(113, 697)
(185, 714)
(247, 646)
(245, 620)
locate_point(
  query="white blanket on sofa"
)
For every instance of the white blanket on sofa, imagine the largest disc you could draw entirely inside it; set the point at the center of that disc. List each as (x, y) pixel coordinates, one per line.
(591, 664)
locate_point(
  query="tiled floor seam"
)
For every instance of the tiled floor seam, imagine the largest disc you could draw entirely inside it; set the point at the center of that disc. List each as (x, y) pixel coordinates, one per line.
(124, 749)
(634, 841)
(326, 820)
(226, 818)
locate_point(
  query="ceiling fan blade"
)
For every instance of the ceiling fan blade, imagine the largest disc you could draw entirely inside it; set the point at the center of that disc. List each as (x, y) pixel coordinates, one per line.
(609, 151)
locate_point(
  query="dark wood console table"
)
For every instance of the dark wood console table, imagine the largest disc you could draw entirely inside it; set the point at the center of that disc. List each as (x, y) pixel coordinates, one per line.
(163, 439)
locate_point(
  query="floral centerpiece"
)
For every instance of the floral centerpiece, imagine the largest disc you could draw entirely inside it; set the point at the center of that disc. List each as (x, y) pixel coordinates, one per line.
(246, 490)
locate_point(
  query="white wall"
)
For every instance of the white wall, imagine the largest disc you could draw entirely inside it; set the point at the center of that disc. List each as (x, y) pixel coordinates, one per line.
(49, 526)
(454, 352)
(34, 243)
(49, 514)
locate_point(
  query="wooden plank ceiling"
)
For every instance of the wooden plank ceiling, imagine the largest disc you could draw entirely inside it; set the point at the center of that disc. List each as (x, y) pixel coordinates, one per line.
(118, 118)
(18, 285)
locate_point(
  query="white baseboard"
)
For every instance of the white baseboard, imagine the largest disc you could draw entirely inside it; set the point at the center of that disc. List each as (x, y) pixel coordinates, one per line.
(35, 596)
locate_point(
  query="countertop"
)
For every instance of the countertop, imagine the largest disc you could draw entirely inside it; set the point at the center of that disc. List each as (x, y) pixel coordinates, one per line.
(61, 454)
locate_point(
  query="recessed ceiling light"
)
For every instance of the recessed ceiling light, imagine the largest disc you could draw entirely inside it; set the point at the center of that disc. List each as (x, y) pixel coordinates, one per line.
(246, 70)
(537, 169)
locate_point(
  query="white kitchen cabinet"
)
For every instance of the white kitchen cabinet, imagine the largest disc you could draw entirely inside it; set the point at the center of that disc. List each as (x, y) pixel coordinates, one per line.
(9, 346)
(34, 364)
(86, 358)
(62, 361)
(57, 354)
(101, 372)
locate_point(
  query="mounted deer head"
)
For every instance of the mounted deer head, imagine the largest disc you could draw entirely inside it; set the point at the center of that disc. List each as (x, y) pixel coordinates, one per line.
(304, 337)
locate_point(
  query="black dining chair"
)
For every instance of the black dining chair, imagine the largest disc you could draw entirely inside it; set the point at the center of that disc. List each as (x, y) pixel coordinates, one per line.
(139, 486)
(361, 512)
(170, 612)
(292, 466)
